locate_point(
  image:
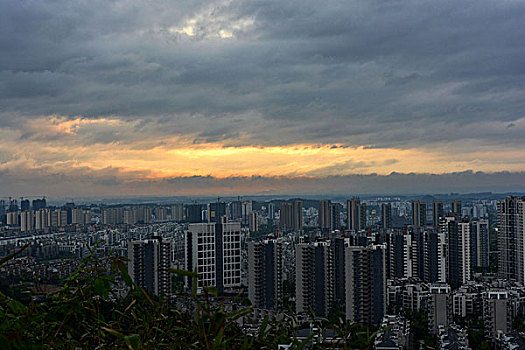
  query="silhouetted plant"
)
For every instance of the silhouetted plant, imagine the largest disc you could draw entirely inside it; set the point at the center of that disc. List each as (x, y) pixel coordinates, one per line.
(89, 311)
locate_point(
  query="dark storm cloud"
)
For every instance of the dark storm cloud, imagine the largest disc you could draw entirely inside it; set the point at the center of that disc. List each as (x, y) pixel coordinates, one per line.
(379, 73)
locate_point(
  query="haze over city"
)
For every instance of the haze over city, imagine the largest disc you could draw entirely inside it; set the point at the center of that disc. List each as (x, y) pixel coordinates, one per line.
(129, 97)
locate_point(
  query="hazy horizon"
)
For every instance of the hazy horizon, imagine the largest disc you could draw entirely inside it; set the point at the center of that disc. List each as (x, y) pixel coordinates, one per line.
(364, 185)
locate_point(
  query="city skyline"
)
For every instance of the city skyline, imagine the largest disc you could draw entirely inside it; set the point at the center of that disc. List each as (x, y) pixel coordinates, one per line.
(237, 97)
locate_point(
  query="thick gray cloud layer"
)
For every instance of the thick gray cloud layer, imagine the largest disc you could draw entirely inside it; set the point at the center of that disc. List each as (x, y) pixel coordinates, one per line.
(107, 182)
(378, 73)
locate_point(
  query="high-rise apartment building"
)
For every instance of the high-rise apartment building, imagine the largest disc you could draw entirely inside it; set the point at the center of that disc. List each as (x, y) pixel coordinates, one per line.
(479, 234)
(42, 218)
(498, 313)
(58, 218)
(419, 214)
(511, 238)
(265, 266)
(214, 251)
(464, 253)
(365, 273)
(430, 255)
(27, 220)
(271, 211)
(456, 207)
(314, 278)
(77, 216)
(68, 208)
(80, 216)
(13, 205)
(194, 213)
(457, 235)
(339, 246)
(335, 216)
(442, 256)
(437, 213)
(291, 215)
(161, 213)
(386, 216)
(286, 216)
(410, 256)
(355, 214)
(235, 211)
(39, 204)
(297, 215)
(325, 215)
(416, 250)
(247, 208)
(12, 218)
(439, 307)
(25, 205)
(130, 216)
(395, 254)
(253, 221)
(216, 211)
(149, 261)
(113, 216)
(2, 211)
(142, 214)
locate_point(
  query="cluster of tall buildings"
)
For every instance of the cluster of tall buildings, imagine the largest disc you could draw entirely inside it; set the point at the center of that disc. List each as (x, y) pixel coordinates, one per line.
(234, 211)
(447, 253)
(356, 214)
(342, 265)
(15, 216)
(458, 244)
(291, 215)
(36, 216)
(329, 274)
(192, 213)
(350, 270)
(212, 250)
(143, 214)
(329, 216)
(128, 215)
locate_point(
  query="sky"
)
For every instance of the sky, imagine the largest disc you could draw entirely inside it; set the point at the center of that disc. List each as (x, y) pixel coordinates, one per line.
(132, 97)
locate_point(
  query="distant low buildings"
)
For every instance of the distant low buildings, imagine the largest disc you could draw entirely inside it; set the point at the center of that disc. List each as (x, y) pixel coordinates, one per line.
(393, 334)
(453, 338)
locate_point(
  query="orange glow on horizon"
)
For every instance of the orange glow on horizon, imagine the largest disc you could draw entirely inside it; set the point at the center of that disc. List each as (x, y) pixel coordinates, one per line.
(66, 145)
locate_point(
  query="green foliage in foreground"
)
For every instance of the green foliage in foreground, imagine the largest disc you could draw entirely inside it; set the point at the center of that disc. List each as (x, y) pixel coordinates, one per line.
(88, 313)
